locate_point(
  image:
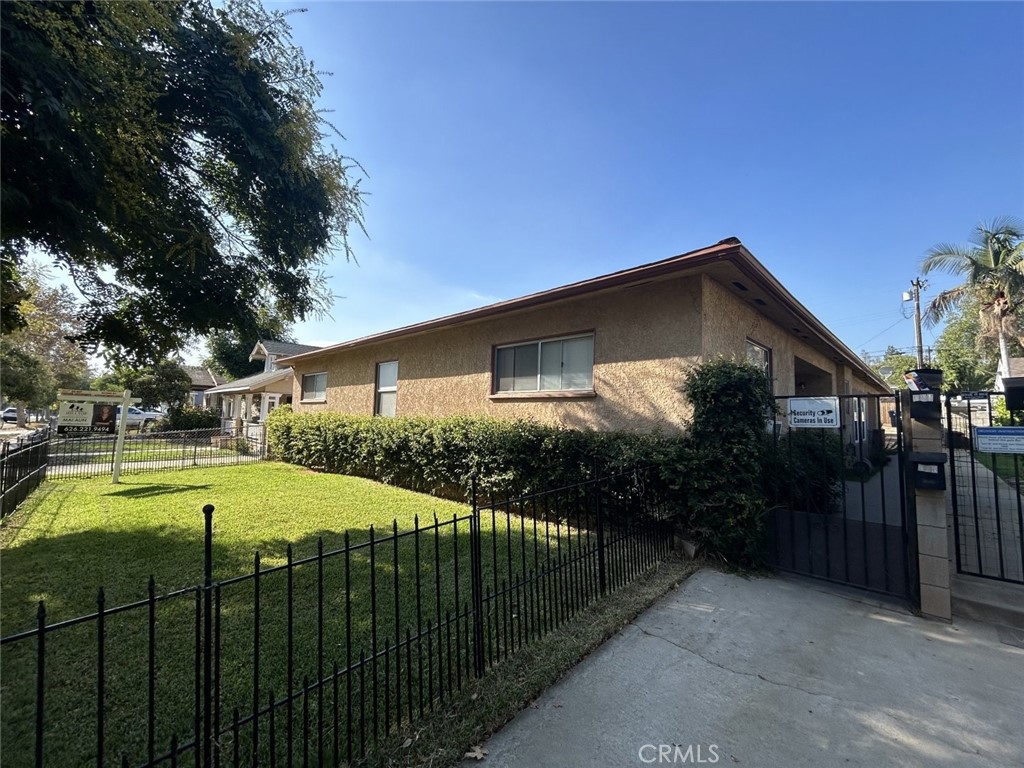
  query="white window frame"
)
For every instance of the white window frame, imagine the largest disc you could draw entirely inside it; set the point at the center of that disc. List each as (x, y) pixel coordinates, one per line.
(496, 379)
(303, 398)
(379, 390)
(767, 355)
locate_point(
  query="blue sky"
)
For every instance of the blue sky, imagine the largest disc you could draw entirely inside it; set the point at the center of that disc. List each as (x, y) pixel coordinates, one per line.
(514, 147)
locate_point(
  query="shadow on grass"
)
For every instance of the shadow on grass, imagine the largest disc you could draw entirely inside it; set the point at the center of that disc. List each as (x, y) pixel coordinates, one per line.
(67, 570)
(317, 614)
(157, 489)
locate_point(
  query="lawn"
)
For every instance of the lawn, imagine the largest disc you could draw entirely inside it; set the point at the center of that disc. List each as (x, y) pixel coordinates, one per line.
(74, 536)
(1008, 466)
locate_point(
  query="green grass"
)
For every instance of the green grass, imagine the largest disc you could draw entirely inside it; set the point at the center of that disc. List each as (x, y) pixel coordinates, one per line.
(73, 536)
(1007, 465)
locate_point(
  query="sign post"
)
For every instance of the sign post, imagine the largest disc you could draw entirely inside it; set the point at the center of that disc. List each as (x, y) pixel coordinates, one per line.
(122, 427)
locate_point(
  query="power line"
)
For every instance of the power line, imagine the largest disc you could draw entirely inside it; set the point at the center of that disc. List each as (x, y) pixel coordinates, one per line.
(902, 319)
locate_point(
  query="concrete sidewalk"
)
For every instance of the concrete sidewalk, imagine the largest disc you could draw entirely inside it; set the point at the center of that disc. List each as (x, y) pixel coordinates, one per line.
(779, 672)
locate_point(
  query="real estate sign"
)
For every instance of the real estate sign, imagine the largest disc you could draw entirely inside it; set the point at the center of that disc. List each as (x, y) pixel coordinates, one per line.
(88, 413)
(813, 412)
(86, 417)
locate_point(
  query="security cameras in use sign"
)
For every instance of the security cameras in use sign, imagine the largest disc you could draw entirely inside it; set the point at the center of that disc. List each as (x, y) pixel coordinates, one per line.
(814, 413)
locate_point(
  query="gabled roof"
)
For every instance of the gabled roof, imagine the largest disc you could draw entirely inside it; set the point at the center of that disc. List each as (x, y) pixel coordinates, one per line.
(728, 261)
(250, 383)
(266, 348)
(1016, 368)
(202, 377)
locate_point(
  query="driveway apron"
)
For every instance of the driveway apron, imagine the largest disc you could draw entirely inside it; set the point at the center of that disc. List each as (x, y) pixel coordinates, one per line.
(779, 672)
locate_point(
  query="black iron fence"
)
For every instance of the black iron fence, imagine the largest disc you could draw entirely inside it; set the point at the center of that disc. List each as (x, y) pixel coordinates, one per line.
(985, 489)
(93, 455)
(316, 657)
(23, 465)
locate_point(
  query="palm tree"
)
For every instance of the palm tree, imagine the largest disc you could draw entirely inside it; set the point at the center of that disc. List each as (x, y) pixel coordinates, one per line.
(993, 268)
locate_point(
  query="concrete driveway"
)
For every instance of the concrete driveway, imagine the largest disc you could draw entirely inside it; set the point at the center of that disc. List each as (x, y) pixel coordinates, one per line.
(779, 672)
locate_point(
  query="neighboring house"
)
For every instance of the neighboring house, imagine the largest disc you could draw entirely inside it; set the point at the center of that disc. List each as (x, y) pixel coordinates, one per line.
(252, 398)
(202, 380)
(1013, 377)
(605, 353)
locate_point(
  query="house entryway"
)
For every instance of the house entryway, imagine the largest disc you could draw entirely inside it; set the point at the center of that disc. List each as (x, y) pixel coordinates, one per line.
(840, 510)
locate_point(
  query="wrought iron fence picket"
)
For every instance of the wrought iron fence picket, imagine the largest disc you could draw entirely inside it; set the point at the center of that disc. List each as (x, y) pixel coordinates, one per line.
(480, 614)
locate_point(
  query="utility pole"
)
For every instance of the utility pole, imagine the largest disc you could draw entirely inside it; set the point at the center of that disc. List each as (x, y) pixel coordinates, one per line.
(918, 284)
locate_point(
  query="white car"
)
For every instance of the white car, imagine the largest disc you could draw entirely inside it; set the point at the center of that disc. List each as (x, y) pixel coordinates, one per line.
(140, 419)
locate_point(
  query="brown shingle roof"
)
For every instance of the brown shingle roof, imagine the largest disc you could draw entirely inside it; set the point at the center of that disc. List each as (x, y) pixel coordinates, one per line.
(202, 377)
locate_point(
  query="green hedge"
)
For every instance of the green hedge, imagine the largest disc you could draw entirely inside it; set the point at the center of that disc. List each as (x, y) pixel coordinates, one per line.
(439, 456)
(714, 477)
(190, 416)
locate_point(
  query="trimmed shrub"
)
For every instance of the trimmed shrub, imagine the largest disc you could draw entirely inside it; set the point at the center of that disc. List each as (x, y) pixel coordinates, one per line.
(440, 456)
(190, 416)
(721, 467)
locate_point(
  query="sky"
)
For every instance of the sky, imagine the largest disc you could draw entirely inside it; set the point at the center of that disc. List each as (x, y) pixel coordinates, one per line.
(513, 147)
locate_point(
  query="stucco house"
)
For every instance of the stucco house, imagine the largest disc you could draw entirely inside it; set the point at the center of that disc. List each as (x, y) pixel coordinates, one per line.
(605, 353)
(252, 398)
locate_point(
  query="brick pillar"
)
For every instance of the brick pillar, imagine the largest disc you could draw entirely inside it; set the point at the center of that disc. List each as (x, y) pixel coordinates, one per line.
(924, 437)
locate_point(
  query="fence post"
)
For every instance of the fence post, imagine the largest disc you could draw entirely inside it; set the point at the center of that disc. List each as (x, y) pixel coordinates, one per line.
(476, 575)
(601, 572)
(40, 680)
(208, 638)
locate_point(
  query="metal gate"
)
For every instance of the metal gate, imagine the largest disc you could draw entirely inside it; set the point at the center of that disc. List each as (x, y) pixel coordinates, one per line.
(839, 498)
(985, 490)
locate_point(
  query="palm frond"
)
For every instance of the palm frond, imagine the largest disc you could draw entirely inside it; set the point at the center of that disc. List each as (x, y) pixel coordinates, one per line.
(944, 303)
(948, 257)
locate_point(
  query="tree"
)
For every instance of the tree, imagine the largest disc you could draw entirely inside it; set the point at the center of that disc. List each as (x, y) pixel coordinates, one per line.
(27, 380)
(228, 351)
(164, 382)
(170, 156)
(51, 318)
(12, 293)
(39, 357)
(897, 361)
(993, 270)
(968, 360)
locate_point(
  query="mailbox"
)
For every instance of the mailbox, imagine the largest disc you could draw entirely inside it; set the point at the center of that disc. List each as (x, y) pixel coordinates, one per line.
(928, 470)
(925, 406)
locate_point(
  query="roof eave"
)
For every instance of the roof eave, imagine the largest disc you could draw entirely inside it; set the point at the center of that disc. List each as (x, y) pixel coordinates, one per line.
(790, 302)
(618, 279)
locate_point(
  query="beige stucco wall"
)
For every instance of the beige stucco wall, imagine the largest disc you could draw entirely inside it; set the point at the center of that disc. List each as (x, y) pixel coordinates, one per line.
(645, 338)
(727, 324)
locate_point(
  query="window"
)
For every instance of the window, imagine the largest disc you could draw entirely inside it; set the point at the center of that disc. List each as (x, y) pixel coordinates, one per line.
(314, 386)
(555, 365)
(387, 389)
(760, 357)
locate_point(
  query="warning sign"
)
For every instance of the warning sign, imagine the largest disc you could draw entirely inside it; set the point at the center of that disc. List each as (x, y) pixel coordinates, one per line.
(813, 412)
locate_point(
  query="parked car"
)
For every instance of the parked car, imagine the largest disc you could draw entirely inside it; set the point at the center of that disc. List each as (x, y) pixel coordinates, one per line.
(140, 419)
(10, 415)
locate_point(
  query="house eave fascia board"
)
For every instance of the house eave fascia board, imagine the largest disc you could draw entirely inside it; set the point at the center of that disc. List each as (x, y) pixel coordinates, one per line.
(240, 385)
(259, 352)
(757, 271)
(618, 279)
